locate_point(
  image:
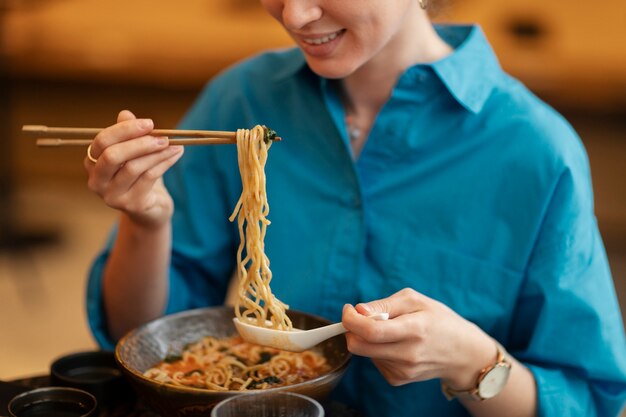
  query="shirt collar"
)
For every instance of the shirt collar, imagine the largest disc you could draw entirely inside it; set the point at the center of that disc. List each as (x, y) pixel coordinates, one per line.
(471, 71)
(468, 73)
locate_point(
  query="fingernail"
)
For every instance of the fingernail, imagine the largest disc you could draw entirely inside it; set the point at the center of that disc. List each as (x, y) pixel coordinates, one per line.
(145, 123)
(161, 140)
(175, 149)
(366, 307)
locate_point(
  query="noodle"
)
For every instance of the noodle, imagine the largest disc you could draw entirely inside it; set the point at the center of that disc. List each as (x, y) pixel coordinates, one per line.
(231, 364)
(255, 300)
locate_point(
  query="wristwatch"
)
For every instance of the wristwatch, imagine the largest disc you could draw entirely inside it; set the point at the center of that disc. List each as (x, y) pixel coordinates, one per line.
(490, 382)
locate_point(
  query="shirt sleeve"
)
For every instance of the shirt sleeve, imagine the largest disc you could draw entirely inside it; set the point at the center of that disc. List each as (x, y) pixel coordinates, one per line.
(568, 328)
(94, 304)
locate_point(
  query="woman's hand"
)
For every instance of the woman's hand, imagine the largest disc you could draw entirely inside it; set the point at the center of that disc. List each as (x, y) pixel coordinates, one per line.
(423, 339)
(129, 169)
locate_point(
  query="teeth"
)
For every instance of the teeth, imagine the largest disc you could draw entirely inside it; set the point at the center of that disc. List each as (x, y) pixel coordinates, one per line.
(319, 41)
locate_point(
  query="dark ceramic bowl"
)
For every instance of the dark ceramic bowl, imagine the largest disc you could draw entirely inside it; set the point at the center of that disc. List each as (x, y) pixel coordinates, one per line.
(53, 401)
(96, 372)
(145, 346)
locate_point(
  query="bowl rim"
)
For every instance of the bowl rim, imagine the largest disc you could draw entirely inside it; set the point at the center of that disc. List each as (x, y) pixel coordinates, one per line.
(225, 403)
(47, 395)
(191, 390)
(60, 367)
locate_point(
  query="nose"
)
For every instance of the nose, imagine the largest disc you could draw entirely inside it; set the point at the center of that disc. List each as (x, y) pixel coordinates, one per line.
(298, 13)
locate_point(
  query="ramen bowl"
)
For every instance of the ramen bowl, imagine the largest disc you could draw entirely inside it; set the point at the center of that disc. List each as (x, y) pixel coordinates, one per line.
(144, 347)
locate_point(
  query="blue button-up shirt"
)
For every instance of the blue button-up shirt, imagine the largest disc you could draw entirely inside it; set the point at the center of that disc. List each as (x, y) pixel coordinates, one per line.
(469, 189)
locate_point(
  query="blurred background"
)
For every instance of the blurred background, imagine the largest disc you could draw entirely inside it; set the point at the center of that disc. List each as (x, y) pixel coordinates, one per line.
(78, 62)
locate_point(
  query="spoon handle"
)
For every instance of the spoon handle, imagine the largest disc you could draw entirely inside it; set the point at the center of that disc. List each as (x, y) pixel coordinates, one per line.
(379, 316)
(333, 330)
(337, 328)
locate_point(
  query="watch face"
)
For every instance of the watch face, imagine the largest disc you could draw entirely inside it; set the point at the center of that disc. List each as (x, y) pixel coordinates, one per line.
(494, 381)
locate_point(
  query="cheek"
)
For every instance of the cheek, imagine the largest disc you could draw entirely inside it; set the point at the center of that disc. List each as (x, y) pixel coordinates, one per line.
(364, 46)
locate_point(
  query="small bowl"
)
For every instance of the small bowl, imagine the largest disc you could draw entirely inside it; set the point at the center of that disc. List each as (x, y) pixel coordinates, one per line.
(52, 401)
(145, 346)
(96, 372)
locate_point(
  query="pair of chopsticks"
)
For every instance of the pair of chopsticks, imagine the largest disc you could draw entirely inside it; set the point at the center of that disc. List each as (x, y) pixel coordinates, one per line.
(74, 136)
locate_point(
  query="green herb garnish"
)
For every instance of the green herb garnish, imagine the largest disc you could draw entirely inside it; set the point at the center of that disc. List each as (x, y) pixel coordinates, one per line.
(172, 358)
(270, 380)
(270, 134)
(264, 357)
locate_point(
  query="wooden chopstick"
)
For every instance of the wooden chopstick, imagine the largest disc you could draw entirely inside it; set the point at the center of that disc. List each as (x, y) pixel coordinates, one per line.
(74, 136)
(78, 132)
(173, 141)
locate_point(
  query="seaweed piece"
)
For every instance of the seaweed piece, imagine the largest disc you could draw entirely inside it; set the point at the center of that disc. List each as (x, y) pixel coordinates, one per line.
(171, 358)
(264, 357)
(270, 134)
(270, 380)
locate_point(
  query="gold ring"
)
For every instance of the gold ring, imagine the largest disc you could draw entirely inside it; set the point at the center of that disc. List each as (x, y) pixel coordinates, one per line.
(91, 158)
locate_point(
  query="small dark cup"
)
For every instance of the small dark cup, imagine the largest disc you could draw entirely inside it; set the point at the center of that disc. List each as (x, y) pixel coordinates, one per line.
(268, 404)
(53, 402)
(96, 372)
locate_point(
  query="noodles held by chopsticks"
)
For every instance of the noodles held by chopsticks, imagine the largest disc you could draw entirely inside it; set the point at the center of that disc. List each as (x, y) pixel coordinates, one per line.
(255, 300)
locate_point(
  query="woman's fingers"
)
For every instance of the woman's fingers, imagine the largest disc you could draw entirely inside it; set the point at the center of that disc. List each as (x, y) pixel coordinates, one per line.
(120, 132)
(400, 307)
(142, 170)
(392, 344)
(128, 169)
(140, 174)
(125, 115)
(378, 331)
(115, 156)
(110, 158)
(397, 373)
(147, 201)
(402, 302)
(399, 346)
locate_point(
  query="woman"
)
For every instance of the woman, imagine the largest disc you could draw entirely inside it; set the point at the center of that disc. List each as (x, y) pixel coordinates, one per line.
(413, 173)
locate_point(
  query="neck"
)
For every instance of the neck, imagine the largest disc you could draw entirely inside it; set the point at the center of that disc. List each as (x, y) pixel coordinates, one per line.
(367, 89)
(370, 86)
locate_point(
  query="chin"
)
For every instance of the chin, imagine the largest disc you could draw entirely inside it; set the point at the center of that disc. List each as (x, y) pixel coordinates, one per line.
(330, 69)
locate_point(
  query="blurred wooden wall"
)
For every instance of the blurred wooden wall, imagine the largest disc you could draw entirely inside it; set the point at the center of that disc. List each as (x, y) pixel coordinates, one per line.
(572, 53)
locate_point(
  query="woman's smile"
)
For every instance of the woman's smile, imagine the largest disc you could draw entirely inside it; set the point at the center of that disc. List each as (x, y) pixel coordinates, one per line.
(319, 45)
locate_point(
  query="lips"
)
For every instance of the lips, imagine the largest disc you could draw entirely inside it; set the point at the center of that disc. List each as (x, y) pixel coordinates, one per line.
(320, 45)
(321, 39)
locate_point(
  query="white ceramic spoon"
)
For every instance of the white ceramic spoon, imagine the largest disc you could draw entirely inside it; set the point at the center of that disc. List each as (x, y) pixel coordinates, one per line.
(295, 340)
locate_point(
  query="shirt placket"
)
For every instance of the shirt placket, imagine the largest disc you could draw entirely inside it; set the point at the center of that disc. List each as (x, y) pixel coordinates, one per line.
(348, 240)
